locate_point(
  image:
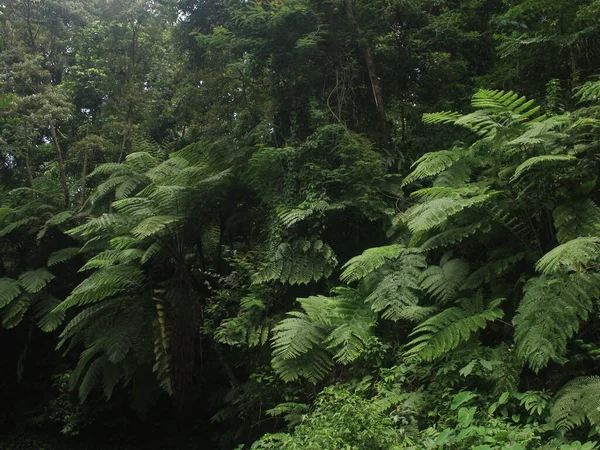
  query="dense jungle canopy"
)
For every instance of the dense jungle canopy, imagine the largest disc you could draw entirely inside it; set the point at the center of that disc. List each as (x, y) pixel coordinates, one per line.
(299, 224)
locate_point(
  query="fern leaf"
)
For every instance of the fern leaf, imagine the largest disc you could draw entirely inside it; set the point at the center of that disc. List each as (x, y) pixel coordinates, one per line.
(441, 117)
(435, 213)
(13, 314)
(541, 162)
(103, 284)
(589, 92)
(34, 281)
(577, 255)
(154, 225)
(448, 237)
(352, 334)
(577, 403)
(9, 290)
(298, 263)
(297, 348)
(62, 255)
(361, 266)
(549, 316)
(44, 314)
(443, 282)
(575, 219)
(446, 330)
(431, 164)
(396, 294)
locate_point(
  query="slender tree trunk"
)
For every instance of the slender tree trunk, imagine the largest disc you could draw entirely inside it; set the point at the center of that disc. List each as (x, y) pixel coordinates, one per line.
(61, 164)
(83, 178)
(28, 159)
(375, 83)
(84, 169)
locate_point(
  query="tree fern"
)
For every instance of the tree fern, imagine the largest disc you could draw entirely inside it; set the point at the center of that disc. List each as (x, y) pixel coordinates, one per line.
(542, 162)
(443, 282)
(48, 320)
(371, 259)
(155, 225)
(577, 403)
(395, 294)
(62, 255)
(13, 314)
(298, 350)
(589, 92)
(298, 263)
(103, 284)
(34, 281)
(353, 321)
(575, 219)
(431, 164)
(435, 213)
(574, 255)
(446, 330)
(9, 290)
(549, 316)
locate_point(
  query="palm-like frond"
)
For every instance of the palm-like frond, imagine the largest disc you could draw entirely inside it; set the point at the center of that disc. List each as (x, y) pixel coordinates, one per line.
(298, 263)
(9, 290)
(372, 259)
(574, 255)
(34, 281)
(446, 330)
(577, 403)
(549, 316)
(443, 282)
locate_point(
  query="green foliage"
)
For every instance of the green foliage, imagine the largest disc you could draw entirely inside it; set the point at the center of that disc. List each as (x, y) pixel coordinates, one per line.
(550, 313)
(446, 330)
(576, 404)
(298, 263)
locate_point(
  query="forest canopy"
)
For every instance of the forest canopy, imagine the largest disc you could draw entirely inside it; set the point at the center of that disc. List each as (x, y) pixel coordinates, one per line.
(300, 224)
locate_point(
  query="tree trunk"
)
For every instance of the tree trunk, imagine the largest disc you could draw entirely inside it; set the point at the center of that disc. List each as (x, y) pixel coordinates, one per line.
(84, 169)
(28, 159)
(61, 164)
(375, 84)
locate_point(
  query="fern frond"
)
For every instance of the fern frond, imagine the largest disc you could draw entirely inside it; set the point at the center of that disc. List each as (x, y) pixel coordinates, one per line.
(13, 314)
(577, 403)
(449, 237)
(575, 255)
(352, 334)
(92, 377)
(549, 316)
(575, 219)
(297, 348)
(441, 117)
(111, 257)
(443, 282)
(446, 330)
(105, 283)
(9, 290)
(105, 221)
(589, 92)
(154, 225)
(435, 213)
(298, 263)
(34, 281)
(44, 314)
(78, 323)
(371, 259)
(62, 255)
(431, 164)
(491, 271)
(541, 163)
